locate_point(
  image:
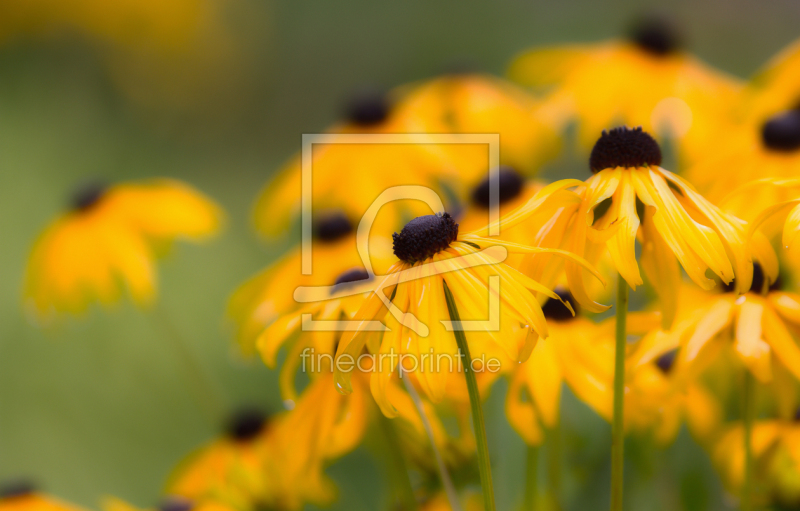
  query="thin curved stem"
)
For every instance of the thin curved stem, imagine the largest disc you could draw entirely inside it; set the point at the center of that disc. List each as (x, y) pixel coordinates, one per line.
(532, 478)
(617, 426)
(397, 465)
(748, 416)
(484, 465)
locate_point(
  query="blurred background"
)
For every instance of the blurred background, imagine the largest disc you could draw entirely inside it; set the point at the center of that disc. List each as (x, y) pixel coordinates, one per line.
(217, 93)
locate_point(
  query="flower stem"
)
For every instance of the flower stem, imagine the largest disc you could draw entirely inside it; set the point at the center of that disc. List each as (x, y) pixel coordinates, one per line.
(532, 483)
(617, 426)
(748, 416)
(484, 464)
(554, 465)
(397, 465)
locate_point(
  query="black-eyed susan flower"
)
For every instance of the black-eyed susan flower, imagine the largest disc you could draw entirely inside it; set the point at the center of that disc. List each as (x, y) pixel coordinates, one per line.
(22, 495)
(107, 242)
(431, 254)
(775, 88)
(647, 80)
(237, 469)
(631, 197)
(752, 156)
(572, 354)
(432, 118)
(270, 294)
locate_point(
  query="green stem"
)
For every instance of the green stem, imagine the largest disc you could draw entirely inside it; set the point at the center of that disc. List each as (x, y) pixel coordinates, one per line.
(748, 416)
(397, 465)
(478, 424)
(532, 483)
(617, 426)
(554, 465)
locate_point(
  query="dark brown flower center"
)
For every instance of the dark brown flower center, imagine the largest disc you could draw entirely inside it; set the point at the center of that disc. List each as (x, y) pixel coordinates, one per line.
(87, 195)
(349, 278)
(554, 310)
(509, 185)
(657, 35)
(425, 236)
(624, 147)
(782, 132)
(758, 282)
(666, 361)
(17, 488)
(246, 424)
(332, 227)
(368, 108)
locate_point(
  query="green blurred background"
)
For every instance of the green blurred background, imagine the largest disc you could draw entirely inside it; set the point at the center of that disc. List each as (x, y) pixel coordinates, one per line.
(99, 405)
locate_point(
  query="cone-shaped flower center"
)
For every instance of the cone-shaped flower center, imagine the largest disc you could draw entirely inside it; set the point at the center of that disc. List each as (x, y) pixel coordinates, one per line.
(509, 184)
(356, 275)
(782, 132)
(367, 108)
(246, 424)
(624, 147)
(332, 227)
(87, 196)
(175, 503)
(666, 361)
(554, 310)
(18, 488)
(656, 35)
(425, 236)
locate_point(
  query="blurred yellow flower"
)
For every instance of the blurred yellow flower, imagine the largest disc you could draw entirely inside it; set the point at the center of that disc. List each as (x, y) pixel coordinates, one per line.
(236, 469)
(629, 197)
(433, 254)
(23, 496)
(109, 240)
(774, 89)
(264, 298)
(350, 176)
(169, 503)
(647, 80)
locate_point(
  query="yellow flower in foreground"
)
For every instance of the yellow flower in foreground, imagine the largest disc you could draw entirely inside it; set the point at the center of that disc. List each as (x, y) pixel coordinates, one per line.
(630, 197)
(646, 81)
(432, 255)
(23, 496)
(109, 240)
(236, 469)
(350, 175)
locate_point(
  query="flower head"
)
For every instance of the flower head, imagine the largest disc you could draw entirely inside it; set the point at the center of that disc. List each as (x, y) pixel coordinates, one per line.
(22, 495)
(109, 240)
(647, 80)
(434, 258)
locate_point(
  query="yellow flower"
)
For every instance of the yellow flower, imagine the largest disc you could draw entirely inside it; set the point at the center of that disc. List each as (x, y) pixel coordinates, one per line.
(757, 325)
(647, 80)
(749, 156)
(439, 502)
(630, 197)
(432, 254)
(323, 424)
(350, 176)
(572, 354)
(109, 240)
(269, 295)
(236, 469)
(775, 88)
(23, 496)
